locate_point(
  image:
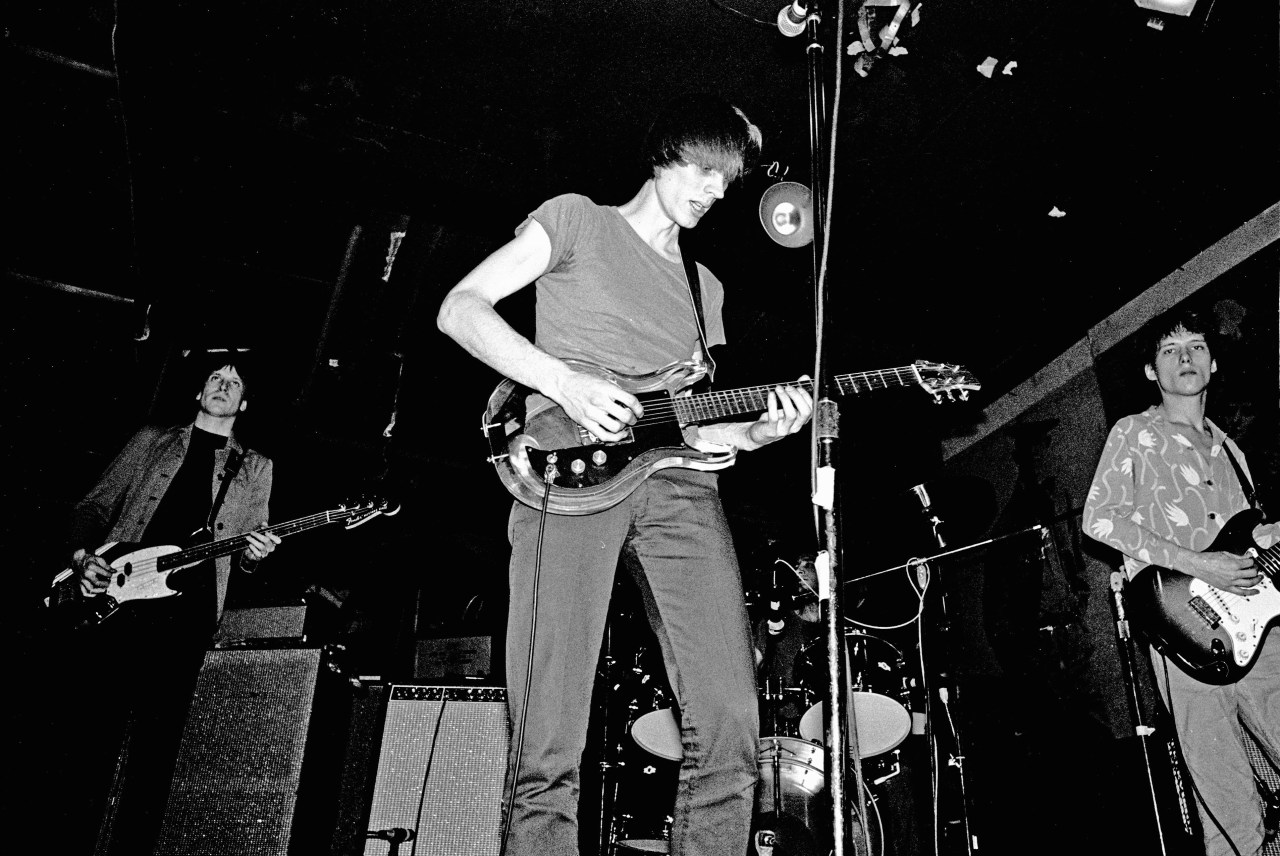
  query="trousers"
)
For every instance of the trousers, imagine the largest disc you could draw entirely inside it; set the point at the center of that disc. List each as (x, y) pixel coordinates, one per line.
(672, 534)
(1209, 719)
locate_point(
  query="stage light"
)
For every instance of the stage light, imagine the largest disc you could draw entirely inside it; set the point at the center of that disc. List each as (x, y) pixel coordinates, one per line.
(786, 212)
(1168, 7)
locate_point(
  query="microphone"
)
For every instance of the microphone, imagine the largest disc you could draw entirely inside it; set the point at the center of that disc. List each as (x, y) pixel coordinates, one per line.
(791, 19)
(777, 618)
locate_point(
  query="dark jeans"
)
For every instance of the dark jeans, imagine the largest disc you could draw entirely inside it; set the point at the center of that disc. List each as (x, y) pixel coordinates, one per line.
(672, 533)
(115, 715)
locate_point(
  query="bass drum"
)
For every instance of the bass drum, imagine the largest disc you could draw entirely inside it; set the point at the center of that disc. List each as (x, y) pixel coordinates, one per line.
(792, 776)
(877, 696)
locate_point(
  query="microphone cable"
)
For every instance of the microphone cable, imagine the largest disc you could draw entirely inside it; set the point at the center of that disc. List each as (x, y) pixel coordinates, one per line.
(548, 477)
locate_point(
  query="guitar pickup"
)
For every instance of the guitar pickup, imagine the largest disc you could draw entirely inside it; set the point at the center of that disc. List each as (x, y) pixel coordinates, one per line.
(1206, 612)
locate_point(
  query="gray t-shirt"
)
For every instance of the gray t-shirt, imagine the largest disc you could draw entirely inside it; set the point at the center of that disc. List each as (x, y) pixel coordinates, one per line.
(610, 298)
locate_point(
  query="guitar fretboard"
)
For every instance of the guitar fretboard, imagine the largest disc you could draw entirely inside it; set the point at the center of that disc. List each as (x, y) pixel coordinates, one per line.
(709, 406)
(217, 549)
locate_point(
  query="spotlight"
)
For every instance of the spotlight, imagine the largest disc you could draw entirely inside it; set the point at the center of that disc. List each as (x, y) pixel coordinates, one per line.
(786, 212)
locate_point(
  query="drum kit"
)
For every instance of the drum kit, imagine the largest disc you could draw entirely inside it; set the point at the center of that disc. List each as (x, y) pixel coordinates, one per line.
(791, 811)
(792, 808)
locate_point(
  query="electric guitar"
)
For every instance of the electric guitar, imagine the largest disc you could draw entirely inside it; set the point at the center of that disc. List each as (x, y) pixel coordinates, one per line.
(531, 437)
(1211, 634)
(142, 572)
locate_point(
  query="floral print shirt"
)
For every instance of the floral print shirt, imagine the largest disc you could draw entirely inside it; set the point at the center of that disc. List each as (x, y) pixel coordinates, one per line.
(1155, 494)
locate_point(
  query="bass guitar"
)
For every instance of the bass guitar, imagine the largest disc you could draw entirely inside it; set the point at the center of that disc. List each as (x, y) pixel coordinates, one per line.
(1212, 634)
(142, 572)
(531, 437)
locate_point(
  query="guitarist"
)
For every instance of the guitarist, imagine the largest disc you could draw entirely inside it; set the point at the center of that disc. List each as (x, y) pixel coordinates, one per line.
(1164, 488)
(611, 289)
(165, 487)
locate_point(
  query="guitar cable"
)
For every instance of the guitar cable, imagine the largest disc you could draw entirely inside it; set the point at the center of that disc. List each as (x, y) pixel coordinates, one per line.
(548, 477)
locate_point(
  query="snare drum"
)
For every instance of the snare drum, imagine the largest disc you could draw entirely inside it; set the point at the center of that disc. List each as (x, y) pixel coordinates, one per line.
(792, 777)
(877, 697)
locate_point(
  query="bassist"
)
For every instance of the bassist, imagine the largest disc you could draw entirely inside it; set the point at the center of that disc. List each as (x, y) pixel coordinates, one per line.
(1164, 489)
(167, 486)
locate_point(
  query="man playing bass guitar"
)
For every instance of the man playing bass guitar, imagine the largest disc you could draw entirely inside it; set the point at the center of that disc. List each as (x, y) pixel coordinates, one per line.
(1167, 488)
(131, 680)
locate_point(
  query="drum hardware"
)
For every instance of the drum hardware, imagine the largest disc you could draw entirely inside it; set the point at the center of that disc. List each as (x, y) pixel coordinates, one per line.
(881, 769)
(775, 701)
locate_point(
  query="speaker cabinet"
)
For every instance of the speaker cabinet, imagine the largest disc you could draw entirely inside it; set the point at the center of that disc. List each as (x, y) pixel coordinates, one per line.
(258, 767)
(441, 771)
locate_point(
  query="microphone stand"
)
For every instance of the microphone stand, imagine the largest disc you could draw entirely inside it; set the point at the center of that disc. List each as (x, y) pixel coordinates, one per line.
(944, 692)
(843, 753)
(1144, 730)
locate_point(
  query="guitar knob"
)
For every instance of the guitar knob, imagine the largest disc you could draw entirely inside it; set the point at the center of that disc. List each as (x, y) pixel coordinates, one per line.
(578, 466)
(598, 457)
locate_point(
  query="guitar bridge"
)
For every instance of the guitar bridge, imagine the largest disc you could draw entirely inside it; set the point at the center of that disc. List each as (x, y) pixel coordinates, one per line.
(1206, 612)
(586, 438)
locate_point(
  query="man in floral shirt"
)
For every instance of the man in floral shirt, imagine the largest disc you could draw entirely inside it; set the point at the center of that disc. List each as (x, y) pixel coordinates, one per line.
(1164, 488)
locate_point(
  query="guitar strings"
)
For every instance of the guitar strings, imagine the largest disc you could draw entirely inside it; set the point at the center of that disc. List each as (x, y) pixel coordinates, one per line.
(230, 545)
(665, 409)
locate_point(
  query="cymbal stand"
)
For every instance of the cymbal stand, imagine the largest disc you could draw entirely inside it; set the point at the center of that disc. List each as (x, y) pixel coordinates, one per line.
(943, 624)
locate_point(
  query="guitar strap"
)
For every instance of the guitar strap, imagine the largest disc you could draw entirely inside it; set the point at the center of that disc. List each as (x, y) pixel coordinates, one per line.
(1244, 479)
(229, 472)
(694, 281)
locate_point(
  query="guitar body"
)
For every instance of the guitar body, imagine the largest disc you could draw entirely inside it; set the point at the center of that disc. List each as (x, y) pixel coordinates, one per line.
(142, 573)
(136, 577)
(533, 442)
(528, 431)
(1213, 635)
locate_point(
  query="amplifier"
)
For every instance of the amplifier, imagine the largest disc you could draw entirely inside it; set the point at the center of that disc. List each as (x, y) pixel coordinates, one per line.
(259, 764)
(441, 771)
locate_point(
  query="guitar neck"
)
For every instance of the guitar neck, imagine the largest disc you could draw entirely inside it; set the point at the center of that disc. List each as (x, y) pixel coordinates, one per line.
(711, 406)
(228, 546)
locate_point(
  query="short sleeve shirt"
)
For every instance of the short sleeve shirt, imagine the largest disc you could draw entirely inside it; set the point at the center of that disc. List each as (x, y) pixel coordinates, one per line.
(610, 298)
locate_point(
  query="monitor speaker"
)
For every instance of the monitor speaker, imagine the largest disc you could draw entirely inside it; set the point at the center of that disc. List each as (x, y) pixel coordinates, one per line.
(441, 769)
(258, 768)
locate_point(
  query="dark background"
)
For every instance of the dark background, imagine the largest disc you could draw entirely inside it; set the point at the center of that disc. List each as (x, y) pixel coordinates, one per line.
(192, 176)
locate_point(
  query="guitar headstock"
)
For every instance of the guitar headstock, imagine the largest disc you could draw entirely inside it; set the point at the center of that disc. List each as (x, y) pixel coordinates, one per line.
(944, 381)
(365, 508)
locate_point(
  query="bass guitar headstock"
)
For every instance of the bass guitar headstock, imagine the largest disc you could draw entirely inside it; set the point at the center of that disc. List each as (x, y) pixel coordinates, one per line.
(365, 508)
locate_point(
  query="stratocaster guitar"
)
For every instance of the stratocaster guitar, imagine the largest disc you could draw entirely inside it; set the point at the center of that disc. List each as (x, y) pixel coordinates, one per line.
(530, 436)
(142, 573)
(1211, 634)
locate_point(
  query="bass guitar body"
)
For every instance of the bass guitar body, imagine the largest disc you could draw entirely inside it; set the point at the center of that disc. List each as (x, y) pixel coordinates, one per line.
(134, 577)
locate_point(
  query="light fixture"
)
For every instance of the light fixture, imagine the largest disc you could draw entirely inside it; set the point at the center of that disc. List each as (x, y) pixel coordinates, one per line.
(786, 212)
(1168, 7)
